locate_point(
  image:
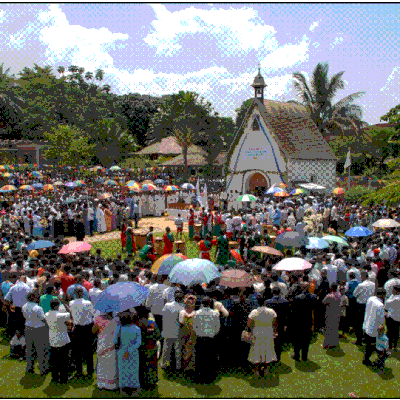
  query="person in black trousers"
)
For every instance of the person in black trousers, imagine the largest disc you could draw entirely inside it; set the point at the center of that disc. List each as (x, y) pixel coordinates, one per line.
(302, 308)
(281, 306)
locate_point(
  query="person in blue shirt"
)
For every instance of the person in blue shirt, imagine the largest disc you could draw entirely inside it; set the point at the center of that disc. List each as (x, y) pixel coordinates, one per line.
(382, 345)
(78, 284)
(276, 217)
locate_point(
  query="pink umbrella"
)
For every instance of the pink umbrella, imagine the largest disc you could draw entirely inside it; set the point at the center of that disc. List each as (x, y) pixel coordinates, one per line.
(292, 264)
(75, 247)
(234, 278)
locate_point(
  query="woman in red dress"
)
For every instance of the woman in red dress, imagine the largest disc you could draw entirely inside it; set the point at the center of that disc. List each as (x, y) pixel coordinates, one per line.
(123, 235)
(168, 241)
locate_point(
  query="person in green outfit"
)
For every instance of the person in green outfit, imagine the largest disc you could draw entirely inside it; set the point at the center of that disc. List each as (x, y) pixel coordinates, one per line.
(222, 249)
(146, 254)
(130, 245)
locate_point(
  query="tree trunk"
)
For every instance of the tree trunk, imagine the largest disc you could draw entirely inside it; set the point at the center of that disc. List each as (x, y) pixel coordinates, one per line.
(185, 160)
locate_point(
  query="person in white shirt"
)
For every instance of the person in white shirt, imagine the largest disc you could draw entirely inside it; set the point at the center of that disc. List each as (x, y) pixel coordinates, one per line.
(391, 283)
(331, 273)
(362, 293)
(206, 325)
(82, 312)
(392, 306)
(36, 335)
(59, 341)
(96, 291)
(171, 330)
(374, 317)
(90, 218)
(155, 300)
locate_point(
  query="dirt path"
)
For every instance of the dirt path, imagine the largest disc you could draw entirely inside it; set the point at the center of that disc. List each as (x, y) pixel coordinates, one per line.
(159, 224)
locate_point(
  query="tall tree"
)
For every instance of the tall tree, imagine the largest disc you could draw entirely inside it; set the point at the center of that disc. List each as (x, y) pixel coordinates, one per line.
(241, 112)
(61, 70)
(99, 74)
(318, 96)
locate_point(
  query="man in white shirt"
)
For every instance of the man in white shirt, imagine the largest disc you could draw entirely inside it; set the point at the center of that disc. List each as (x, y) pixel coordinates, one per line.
(59, 341)
(374, 317)
(90, 218)
(170, 333)
(362, 293)
(392, 306)
(36, 335)
(96, 291)
(206, 325)
(391, 283)
(155, 300)
(82, 312)
(331, 273)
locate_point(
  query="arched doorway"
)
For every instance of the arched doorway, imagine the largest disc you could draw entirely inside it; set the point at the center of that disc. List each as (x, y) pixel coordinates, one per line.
(257, 183)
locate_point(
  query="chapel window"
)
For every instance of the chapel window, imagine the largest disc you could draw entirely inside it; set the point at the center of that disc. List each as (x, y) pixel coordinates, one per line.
(256, 126)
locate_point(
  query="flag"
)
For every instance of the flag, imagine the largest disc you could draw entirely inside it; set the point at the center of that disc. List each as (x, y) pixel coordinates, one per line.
(198, 197)
(348, 160)
(205, 199)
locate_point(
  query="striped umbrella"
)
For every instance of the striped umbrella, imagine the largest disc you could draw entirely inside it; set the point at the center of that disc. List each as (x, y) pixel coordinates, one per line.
(296, 192)
(164, 265)
(282, 185)
(7, 175)
(38, 185)
(148, 187)
(147, 181)
(58, 183)
(132, 183)
(36, 174)
(8, 188)
(135, 187)
(111, 182)
(70, 184)
(338, 191)
(170, 188)
(27, 187)
(48, 187)
(79, 183)
(281, 194)
(273, 190)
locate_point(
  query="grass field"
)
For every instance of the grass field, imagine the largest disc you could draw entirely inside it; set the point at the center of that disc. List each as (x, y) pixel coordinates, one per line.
(328, 374)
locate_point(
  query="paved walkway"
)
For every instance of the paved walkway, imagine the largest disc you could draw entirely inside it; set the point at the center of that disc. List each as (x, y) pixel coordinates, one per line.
(159, 224)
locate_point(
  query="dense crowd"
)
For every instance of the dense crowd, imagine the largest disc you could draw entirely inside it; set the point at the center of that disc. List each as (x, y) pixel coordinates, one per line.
(49, 300)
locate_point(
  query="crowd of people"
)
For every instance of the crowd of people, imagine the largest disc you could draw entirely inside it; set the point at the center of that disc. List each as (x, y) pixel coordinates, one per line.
(49, 300)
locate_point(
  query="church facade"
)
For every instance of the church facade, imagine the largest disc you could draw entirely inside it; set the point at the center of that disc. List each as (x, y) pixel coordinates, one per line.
(277, 142)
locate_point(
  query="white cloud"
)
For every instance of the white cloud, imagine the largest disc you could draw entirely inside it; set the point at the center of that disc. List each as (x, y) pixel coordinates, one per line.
(337, 41)
(84, 47)
(2, 14)
(287, 56)
(313, 26)
(392, 84)
(237, 30)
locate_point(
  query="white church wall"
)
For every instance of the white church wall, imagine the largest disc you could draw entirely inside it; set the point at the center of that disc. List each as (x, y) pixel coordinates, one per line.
(323, 171)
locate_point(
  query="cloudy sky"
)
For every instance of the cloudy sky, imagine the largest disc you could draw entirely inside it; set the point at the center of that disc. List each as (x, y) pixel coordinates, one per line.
(211, 48)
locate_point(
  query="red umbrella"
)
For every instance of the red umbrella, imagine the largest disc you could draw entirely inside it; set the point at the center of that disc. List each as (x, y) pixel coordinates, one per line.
(234, 278)
(238, 258)
(75, 247)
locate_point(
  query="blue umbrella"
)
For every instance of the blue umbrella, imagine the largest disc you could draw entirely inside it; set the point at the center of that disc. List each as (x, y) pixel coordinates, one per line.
(358, 231)
(38, 185)
(317, 243)
(291, 239)
(159, 181)
(273, 190)
(70, 184)
(121, 296)
(194, 271)
(40, 244)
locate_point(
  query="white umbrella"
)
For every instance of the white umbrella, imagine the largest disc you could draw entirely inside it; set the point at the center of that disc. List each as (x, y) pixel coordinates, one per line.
(292, 264)
(386, 223)
(312, 186)
(115, 168)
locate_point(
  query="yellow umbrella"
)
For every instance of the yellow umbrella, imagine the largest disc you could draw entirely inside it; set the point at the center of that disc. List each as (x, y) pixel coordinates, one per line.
(48, 187)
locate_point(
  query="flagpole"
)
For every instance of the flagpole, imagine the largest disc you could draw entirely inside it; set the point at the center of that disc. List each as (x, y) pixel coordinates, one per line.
(348, 185)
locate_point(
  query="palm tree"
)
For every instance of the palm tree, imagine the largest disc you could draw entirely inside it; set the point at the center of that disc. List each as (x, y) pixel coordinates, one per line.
(317, 96)
(61, 70)
(81, 71)
(99, 75)
(73, 69)
(89, 76)
(106, 88)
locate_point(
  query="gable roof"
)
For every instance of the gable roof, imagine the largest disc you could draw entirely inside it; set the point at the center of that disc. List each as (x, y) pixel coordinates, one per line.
(297, 134)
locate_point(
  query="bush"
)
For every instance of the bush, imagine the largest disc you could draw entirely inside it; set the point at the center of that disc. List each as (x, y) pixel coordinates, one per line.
(357, 194)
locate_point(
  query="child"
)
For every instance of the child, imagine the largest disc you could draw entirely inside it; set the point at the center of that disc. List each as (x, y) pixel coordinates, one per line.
(17, 346)
(382, 345)
(179, 226)
(344, 303)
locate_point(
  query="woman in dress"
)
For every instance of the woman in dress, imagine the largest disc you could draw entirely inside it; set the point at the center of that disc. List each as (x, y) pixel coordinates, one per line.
(123, 235)
(128, 340)
(148, 373)
(106, 327)
(108, 218)
(333, 313)
(130, 242)
(188, 334)
(263, 324)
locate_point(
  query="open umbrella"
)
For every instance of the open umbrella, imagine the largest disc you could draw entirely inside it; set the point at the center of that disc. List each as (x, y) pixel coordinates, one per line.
(386, 223)
(148, 187)
(79, 183)
(111, 182)
(58, 183)
(38, 185)
(105, 196)
(36, 174)
(121, 296)
(316, 243)
(70, 184)
(236, 255)
(297, 192)
(338, 191)
(147, 181)
(335, 239)
(26, 187)
(281, 194)
(75, 247)
(185, 186)
(234, 278)
(194, 271)
(159, 181)
(282, 185)
(291, 239)
(40, 244)
(358, 231)
(171, 188)
(292, 264)
(7, 175)
(48, 187)
(164, 265)
(247, 197)
(267, 250)
(273, 189)
(115, 168)
(8, 188)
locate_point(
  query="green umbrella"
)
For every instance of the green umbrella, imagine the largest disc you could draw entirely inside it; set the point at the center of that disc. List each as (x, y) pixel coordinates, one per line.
(336, 239)
(247, 197)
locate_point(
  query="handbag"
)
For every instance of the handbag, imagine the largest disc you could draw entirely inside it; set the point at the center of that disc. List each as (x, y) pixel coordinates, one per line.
(247, 337)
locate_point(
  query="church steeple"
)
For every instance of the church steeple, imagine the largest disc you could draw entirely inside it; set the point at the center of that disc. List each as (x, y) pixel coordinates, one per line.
(259, 85)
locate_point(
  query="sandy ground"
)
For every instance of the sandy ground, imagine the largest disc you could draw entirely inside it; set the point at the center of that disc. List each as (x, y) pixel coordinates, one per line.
(159, 224)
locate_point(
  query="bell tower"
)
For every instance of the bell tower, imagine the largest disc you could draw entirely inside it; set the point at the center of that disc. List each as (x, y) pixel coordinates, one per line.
(259, 85)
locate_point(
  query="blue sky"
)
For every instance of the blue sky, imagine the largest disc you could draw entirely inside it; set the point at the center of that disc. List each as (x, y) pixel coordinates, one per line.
(212, 48)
